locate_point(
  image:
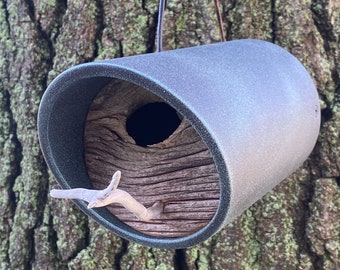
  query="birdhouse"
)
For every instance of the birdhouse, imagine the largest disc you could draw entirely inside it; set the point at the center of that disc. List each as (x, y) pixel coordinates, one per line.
(197, 134)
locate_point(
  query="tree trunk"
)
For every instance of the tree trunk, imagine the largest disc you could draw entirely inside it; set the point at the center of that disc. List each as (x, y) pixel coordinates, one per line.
(296, 226)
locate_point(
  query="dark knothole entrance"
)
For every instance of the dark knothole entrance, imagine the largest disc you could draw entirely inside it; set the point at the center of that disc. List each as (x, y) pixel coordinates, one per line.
(152, 123)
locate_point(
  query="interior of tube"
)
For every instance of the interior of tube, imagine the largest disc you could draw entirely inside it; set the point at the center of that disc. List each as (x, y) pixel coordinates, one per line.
(160, 155)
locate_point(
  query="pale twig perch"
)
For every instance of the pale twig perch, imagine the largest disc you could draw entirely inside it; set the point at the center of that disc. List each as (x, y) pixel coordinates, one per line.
(111, 194)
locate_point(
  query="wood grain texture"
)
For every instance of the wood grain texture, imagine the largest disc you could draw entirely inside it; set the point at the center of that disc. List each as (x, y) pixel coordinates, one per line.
(178, 171)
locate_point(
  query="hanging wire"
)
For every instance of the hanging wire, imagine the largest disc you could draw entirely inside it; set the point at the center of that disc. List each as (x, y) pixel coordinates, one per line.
(219, 18)
(159, 33)
(161, 9)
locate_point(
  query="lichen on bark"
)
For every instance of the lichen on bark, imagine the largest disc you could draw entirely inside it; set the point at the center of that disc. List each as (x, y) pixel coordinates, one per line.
(293, 227)
(323, 228)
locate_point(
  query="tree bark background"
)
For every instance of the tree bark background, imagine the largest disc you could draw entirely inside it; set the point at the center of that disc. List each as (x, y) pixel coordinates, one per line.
(296, 226)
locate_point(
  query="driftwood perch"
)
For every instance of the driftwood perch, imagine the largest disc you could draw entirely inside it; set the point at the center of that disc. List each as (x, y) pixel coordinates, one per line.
(109, 195)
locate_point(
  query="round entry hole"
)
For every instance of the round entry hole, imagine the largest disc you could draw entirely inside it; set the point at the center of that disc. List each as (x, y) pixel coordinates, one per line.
(152, 123)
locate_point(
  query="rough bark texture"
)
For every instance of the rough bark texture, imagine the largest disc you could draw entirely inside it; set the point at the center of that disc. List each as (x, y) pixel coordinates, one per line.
(296, 226)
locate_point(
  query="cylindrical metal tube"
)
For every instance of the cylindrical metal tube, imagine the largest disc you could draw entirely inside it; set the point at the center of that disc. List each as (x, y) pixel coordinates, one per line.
(253, 104)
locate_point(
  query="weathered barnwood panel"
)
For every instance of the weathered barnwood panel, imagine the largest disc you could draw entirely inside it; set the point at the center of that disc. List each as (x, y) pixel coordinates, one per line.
(178, 171)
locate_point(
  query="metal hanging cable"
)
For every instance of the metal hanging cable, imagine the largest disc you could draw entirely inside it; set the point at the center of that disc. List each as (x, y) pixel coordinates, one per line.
(159, 33)
(219, 18)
